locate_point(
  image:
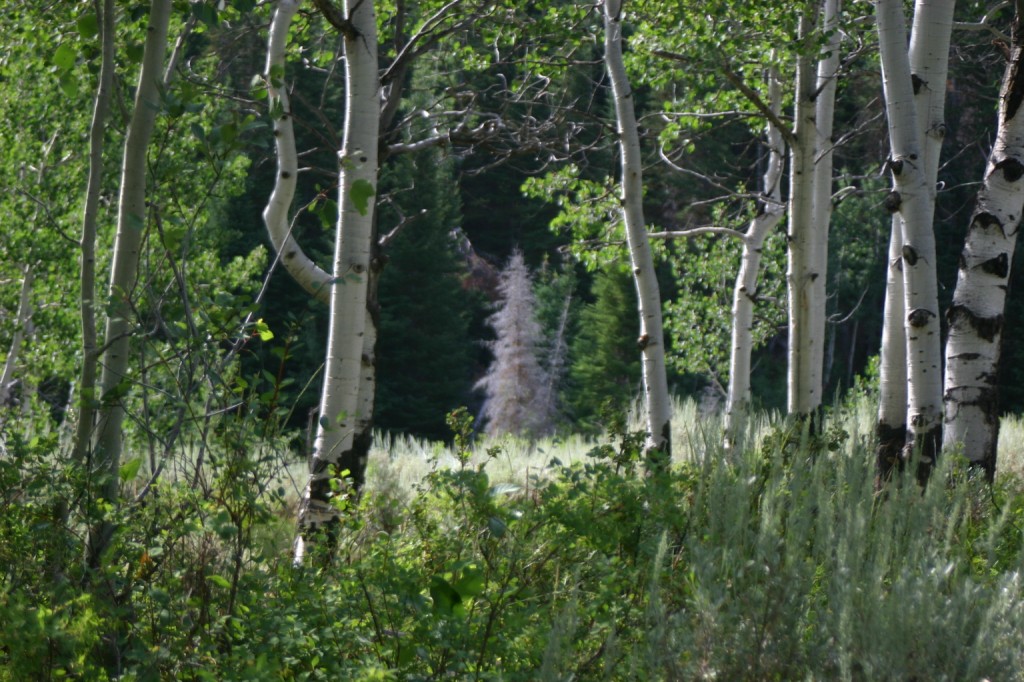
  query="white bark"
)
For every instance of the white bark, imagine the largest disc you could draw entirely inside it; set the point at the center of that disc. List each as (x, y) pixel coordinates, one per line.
(308, 274)
(339, 401)
(891, 428)
(124, 269)
(745, 291)
(824, 116)
(976, 316)
(804, 375)
(913, 197)
(87, 307)
(23, 320)
(652, 338)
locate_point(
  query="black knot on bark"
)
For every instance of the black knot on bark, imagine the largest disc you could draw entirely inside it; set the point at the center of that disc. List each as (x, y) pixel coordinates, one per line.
(917, 81)
(984, 221)
(909, 255)
(892, 202)
(919, 317)
(896, 166)
(998, 266)
(986, 328)
(643, 341)
(1012, 169)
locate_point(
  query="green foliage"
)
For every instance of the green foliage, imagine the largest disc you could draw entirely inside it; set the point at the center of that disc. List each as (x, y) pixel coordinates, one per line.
(605, 361)
(781, 563)
(423, 348)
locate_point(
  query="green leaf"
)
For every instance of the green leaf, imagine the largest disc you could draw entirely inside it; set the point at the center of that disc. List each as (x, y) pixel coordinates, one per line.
(471, 583)
(130, 469)
(204, 12)
(68, 85)
(134, 52)
(263, 330)
(360, 194)
(65, 56)
(444, 596)
(220, 581)
(87, 25)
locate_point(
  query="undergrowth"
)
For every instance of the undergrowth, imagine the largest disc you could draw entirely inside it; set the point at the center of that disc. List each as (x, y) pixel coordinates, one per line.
(780, 562)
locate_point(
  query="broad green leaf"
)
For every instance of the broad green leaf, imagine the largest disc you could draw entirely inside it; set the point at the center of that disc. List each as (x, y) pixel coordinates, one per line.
(360, 194)
(69, 85)
(65, 56)
(87, 25)
(130, 469)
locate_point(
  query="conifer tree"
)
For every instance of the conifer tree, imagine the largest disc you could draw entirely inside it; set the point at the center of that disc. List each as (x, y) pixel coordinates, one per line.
(424, 348)
(605, 366)
(514, 383)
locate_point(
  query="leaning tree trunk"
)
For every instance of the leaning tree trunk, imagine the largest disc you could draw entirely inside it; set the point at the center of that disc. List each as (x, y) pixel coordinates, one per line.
(745, 292)
(310, 277)
(652, 338)
(334, 457)
(913, 196)
(976, 316)
(131, 218)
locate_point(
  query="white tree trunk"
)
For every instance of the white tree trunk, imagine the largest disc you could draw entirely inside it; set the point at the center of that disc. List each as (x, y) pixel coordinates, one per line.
(339, 401)
(24, 319)
(652, 338)
(913, 197)
(976, 316)
(310, 277)
(745, 291)
(891, 429)
(824, 116)
(87, 303)
(804, 375)
(131, 220)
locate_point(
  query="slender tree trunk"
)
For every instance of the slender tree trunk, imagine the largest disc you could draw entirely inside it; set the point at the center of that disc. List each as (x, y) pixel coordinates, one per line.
(824, 116)
(804, 375)
(87, 377)
(913, 197)
(652, 338)
(891, 428)
(334, 454)
(745, 291)
(22, 322)
(106, 455)
(309, 276)
(976, 316)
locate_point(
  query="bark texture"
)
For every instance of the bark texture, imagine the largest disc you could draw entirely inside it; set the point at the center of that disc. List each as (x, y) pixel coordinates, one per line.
(971, 414)
(336, 454)
(810, 207)
(652, 339)
(913, 197)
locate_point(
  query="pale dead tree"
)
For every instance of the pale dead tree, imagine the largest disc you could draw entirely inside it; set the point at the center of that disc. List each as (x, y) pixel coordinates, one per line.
(971, 410)
(514, 385)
